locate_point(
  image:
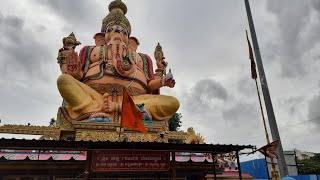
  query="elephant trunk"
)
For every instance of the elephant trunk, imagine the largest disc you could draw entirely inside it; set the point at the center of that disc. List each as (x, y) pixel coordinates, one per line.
(124, 68)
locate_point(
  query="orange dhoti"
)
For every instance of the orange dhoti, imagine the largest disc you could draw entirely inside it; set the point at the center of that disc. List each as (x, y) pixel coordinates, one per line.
(83, 99)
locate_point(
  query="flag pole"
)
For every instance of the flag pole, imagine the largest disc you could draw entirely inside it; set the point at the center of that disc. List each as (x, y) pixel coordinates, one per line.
(120, 131)
(262, 114)
(267, 99)
(274, 172)
(121, 114)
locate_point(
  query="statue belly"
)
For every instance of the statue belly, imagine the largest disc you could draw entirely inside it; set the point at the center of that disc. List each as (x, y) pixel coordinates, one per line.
(103, 84)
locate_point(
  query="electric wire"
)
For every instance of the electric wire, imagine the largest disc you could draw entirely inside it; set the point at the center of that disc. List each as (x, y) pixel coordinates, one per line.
(281, 128)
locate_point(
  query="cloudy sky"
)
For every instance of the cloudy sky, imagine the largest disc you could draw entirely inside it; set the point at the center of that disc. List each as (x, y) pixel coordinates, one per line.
(204, 43)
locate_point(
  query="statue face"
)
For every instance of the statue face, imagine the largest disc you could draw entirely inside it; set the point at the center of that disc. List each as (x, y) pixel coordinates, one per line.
(116, 32)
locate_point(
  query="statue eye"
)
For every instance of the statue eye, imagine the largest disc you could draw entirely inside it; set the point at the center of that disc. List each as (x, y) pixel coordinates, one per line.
(109, 30)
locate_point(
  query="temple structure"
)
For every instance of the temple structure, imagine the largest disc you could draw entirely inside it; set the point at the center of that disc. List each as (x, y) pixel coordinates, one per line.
(113, 117)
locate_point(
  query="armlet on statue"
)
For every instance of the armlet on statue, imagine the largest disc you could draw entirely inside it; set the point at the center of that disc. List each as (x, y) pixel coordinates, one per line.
(159, 72)
(147, 66)
(84, 57)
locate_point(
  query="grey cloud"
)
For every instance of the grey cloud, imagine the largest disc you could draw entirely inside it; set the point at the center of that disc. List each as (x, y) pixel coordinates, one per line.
(314, 109)
(205, 93)
(316, 6)
(41, 28)
(22, 53)
(208, 89)
(246, 86)
(293, 19)
(242, 113)
(79, 14)
(292, 103)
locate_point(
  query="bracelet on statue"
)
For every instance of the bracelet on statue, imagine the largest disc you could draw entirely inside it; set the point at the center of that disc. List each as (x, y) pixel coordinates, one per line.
(119, 108)
(61, 59)
(162, 81)
(160, 71)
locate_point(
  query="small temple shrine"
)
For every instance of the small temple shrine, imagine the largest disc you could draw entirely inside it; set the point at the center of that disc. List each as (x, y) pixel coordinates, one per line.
(113, 122)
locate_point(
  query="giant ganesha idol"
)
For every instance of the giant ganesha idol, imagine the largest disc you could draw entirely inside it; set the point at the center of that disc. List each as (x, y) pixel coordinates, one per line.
(92, 82)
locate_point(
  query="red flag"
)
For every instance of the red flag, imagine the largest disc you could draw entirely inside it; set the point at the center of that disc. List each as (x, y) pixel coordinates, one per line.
(253, 64)
(131, 115)
(269, 150)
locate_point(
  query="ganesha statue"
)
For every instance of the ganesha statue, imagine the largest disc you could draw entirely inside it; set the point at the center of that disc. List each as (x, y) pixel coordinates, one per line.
(92, 82)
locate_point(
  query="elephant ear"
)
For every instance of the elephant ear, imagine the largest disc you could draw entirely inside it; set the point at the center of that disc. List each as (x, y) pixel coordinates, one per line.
(99, 39)
(133, 43)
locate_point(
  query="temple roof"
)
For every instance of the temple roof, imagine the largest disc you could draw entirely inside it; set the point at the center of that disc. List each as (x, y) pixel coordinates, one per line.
(79, 156)
(43, 156)
(107, 145)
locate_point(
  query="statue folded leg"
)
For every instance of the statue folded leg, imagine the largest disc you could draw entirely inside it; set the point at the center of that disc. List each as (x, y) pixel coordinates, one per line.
(160, 107)
(80, 97)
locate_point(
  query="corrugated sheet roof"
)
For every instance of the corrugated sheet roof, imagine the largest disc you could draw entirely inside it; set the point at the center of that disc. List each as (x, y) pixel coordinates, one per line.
(41, 156)
(78, 156)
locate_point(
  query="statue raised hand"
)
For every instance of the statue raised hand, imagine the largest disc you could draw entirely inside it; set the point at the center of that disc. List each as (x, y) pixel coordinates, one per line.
(73, 64)
(68, 58)
(161, 63)
(166, 79)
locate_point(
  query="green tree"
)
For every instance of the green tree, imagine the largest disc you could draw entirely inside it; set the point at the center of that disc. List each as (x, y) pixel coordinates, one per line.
(310, 166)
(52, 121)
(174, 122)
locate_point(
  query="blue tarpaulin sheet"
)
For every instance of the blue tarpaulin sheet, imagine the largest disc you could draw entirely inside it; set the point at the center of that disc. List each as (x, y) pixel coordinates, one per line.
(258, 170)
(306, 177)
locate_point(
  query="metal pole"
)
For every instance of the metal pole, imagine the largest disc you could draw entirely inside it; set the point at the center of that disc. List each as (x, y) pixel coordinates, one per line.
(238, 163)
(214, 167)
(88, 163)
(265, 158)
(267, 99)
(262, 114)
(273, 171)
(174, 170)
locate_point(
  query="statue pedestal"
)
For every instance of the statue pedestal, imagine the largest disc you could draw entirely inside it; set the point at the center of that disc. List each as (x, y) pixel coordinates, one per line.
(90, 131)
(158, 131)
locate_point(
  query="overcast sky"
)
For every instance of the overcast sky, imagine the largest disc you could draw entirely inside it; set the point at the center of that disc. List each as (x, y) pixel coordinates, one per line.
(204, 43)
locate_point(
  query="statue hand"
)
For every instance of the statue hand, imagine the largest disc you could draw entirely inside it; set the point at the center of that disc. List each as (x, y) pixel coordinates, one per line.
(73, 63)
(168, 81)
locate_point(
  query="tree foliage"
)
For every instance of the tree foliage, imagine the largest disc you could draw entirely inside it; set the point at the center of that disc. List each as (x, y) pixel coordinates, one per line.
(310, 166)
(174, 122)
(52, 122)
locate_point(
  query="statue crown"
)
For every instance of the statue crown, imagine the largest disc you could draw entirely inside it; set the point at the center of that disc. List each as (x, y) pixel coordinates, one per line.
(118, 4)
(71, 40)
(116, 16)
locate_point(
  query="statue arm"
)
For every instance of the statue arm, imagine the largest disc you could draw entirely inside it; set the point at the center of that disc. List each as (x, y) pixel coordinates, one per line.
(154, 81)
(155, 84)
(157, 80)
(84, 58)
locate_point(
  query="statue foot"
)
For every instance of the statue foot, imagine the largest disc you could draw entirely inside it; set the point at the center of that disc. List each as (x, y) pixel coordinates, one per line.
(147, 117)
(99, 117)
(108, 105)
(100, 114)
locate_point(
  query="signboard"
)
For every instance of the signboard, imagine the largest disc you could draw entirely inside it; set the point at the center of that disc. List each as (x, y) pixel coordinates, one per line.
(130, 161)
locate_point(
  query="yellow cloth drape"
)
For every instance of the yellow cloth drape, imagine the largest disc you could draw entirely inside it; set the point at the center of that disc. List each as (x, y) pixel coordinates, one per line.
(83, 99)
